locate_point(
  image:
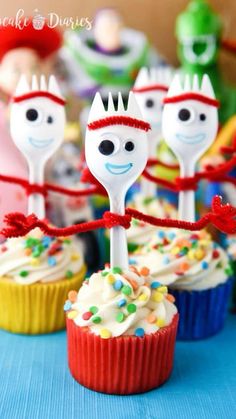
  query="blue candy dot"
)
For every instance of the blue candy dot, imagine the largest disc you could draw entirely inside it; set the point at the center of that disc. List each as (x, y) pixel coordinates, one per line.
(161, 234)
(205, 265)
(171, 236)
(118, 284)
(46, 241)
(155, 284)
(52, 261)
(67, 306)
(166, 260)
(132, 261)
(122, 302)
(139, 332)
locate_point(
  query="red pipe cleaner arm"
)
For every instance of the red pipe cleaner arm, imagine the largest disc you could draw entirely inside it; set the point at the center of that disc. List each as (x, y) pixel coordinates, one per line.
(223, 217)
(165, 183)
(20, 225)
(154, 162)
(93, 190)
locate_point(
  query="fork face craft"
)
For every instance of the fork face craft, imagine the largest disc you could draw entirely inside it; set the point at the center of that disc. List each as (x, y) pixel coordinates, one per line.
(37, 122)
(116, 151)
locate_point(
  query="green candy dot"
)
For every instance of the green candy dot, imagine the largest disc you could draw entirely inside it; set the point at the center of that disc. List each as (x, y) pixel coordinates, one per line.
(93, 309)
(69, 274)
(126, 290)
(120, 317)
(24, 273)
(105, 273)
(131, 308)
(116, 270)
(228, 271)
(67, 241)
(96, 319)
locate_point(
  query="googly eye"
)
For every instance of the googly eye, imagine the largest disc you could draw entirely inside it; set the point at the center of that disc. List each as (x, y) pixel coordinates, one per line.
(129, 146)
(149, 103)
(202, 117)
(106, 147)
(33, 116)
(50, 119)
(109, 144)
(186, 115)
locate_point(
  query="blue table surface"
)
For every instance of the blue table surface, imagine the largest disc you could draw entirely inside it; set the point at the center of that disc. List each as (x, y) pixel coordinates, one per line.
(35, 382)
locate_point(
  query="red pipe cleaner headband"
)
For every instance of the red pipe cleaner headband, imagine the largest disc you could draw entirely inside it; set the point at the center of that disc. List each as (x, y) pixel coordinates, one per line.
(150, 88)
(194, 96)
(119, 120)
(39, 93)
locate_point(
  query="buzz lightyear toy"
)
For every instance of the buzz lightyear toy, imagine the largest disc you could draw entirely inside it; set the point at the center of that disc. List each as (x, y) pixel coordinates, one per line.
(199, 33)
(116, 151)
(37, 121)
(190, 122)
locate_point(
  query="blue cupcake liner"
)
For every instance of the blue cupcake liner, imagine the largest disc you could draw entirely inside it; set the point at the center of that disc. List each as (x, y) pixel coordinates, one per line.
(202, 313)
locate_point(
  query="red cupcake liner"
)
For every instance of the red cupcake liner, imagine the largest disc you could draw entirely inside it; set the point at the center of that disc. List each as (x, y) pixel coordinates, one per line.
(124, 364)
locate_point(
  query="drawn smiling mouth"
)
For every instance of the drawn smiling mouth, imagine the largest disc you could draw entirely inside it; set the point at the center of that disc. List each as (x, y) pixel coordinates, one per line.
(194, 139)
(40, 143)
(118, 169)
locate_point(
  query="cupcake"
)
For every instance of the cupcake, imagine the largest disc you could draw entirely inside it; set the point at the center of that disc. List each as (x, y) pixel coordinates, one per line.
(121, 329)
(36, 274)
(231, 249)
(198, 274)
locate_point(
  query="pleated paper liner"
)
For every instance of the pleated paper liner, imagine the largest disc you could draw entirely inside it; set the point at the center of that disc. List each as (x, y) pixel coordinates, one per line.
(124, 364)
(36, 308)
(202, 313)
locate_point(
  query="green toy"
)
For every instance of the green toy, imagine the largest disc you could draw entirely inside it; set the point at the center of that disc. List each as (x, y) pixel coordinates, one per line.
(199, 33)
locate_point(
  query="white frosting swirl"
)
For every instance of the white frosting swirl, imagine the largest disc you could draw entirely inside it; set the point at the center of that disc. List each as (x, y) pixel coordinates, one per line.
(147, 306)
(188, 261)
(140, 232)
(38, 258)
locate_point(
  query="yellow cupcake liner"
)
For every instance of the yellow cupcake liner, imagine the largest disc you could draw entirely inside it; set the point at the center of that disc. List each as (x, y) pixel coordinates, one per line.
(36, 308)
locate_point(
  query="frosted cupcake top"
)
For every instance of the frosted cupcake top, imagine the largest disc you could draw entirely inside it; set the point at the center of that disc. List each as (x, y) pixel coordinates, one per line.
(184, 260)
(113, 303)
(140, 232)
(39, 258)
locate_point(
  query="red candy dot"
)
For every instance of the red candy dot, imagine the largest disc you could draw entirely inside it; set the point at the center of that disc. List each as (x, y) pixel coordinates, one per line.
(215, 254)
(87, 315)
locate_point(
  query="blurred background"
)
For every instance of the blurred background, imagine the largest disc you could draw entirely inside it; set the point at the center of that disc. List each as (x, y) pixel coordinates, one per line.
(154, 17)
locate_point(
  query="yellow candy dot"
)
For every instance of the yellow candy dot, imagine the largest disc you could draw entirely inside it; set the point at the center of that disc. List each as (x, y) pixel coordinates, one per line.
(110, 279)
(74, 257)
(191, 254)
(157, 297)
(105, 333)
(72, 314)
(199, 254)
(175, 250)
(163, 289)
(35, 262)
(143, 297)
(160, 322)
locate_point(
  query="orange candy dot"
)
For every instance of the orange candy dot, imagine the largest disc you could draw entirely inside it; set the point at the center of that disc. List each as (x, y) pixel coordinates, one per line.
(134, 284)
(72, 296)
(144, 271)
(28, 252)
(184, 266)
(170, 298)
(133, 268)
(151, 318)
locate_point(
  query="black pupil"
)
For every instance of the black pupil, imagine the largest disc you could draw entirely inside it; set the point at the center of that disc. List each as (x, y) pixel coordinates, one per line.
(149, 103)
(129, 146)
(50, 119)
(202, 117)
(32, 114)
(184, 114)
(106, 147)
